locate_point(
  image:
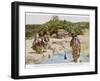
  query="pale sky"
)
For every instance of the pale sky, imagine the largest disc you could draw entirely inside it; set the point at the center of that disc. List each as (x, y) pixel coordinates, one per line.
(40, 18)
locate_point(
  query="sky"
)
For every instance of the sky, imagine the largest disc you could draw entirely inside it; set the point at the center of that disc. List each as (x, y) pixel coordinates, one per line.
(40, 18)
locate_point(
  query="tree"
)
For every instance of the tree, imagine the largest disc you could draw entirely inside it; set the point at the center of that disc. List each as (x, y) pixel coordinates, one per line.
(54, 24)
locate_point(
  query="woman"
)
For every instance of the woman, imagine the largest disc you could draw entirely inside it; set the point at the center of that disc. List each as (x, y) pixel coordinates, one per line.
(37, 44)
(76, 47)
(46, 40)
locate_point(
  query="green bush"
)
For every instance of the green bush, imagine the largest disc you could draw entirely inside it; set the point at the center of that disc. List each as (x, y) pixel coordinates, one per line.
(54, 24)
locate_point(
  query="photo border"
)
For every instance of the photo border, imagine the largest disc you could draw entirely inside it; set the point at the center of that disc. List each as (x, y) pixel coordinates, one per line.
(15, 39)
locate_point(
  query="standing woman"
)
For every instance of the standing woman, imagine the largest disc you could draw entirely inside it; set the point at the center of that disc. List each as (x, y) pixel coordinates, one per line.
(46, 40)
(76, 47)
